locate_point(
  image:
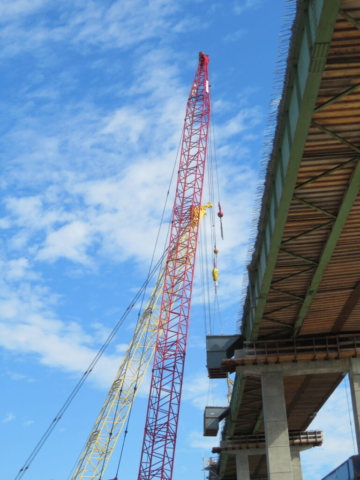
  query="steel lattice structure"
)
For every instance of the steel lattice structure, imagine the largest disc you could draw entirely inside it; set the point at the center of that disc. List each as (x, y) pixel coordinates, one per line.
(115, 410)
(159, 442)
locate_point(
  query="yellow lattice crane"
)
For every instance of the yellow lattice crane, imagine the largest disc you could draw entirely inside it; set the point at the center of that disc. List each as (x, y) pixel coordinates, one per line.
(114, 412)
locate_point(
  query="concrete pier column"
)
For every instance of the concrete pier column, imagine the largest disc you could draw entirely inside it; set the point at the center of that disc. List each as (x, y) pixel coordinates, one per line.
(242, 466)
(355, 395)
(296, 464)
(278, 455)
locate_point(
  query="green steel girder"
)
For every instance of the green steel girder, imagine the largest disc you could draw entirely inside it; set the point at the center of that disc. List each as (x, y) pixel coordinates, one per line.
(335, 136)
(305, 78)
(335, 99)
(347, 203)
(259, 421)
(292, 275)
(287, 293)
(314, 207)
(318, 227)
(277, 322)
(350, 19)
(299, 257)
(284, 307)
(328, 172)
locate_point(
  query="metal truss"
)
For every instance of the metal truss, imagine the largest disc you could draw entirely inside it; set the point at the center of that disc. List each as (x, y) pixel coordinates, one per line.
(336, 223)
(115, 410)
(112, 417)
(157, 459)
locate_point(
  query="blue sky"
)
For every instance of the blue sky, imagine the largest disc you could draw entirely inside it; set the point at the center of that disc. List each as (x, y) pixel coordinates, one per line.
(93, 97)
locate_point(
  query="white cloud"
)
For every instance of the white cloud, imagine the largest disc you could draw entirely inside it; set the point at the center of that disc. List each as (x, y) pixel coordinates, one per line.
(197, 440)
(28, 423)
(19, 377)
(233, 37)
(241, 7)
(201, 391)
(69, 241)
(28, 325)
(246, 119)
(10, 9)
(82, 186)
(121, 347)
(8, 418)
(333, 419)
(123, 24)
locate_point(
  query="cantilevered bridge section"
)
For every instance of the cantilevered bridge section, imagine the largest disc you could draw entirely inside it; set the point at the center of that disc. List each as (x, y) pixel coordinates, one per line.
(304, 277)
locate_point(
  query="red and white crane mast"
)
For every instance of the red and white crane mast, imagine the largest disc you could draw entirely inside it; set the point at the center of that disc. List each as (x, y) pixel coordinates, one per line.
(157, 458)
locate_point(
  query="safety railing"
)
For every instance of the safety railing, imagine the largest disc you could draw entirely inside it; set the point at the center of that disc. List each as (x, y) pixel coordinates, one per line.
(296, 438)
(294, 349)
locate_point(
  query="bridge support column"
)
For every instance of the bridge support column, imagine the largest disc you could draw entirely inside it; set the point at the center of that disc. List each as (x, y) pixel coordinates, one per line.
(296, 464)
(278, 457)
(242, 466)
(354, 375)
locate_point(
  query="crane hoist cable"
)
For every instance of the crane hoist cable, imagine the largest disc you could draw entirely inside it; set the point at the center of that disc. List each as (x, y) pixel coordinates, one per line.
(86, 374)
(112, 417)
(141, 293)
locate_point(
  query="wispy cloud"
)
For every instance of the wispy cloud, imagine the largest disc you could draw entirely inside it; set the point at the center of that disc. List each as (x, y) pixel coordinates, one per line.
(85, 183)
(334, 420)
(28, 423)
(28, 325)
(81, 24)
(197, 440)
(8, 418)
(243, 6)
(233, 37)
(201, 391)
(19, 377)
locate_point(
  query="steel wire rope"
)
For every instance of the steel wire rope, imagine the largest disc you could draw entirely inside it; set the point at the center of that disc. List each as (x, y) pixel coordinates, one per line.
(213, 160)
(216, 309)
(110, 435)
(125, 435)
(202, 277)
(347, 384)
(162, 215)
(211, 192)
(206, 267)
(211, 319)
(213, 232)
(139, 314)
(159, 263)
(212, 128)
(86, 374)
(142, 300)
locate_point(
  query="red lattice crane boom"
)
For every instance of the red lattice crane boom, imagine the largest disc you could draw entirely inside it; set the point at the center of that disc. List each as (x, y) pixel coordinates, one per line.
(157, 459)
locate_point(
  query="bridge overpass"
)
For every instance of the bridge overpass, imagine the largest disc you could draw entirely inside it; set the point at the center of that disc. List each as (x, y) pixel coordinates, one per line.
(300, 328)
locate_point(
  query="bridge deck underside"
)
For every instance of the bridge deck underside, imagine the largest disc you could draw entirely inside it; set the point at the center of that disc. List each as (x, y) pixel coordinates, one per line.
(318, 198)
(315, 285)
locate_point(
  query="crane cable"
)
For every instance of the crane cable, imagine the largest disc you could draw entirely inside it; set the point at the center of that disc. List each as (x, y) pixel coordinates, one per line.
(140, 293)
(220, 213)
(142, 301)
(347, 386)
(139, 314)
(213, 167)
(86, 374)
(125, 435)
(110, 435)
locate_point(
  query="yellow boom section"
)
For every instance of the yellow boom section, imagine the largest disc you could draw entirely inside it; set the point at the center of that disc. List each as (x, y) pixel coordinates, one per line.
(112, 417)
